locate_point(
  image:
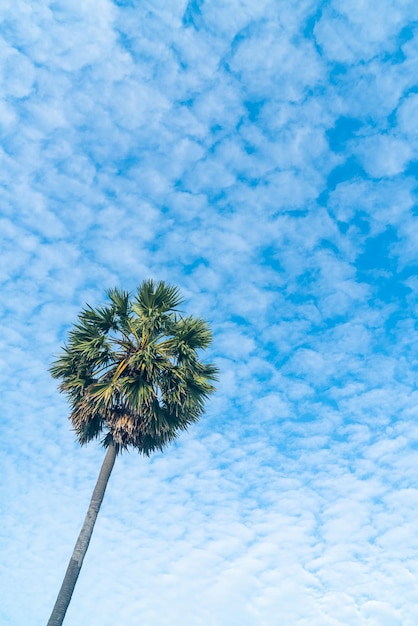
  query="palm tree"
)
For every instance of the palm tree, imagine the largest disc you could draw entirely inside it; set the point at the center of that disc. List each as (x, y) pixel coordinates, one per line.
(132, 374)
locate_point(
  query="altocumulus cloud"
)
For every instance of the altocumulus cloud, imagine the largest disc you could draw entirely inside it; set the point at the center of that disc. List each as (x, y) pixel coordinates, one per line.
(262, 157)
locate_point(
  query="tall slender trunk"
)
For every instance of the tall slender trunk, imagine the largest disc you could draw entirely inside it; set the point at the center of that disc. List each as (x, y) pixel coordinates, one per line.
(76, 561)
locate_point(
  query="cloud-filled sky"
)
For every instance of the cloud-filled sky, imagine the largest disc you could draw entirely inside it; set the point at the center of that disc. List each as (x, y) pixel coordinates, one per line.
(263, 157)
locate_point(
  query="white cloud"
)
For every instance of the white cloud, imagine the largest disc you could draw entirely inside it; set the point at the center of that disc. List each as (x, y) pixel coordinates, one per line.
(384, 155)
(354, 31)
(407, 115)
(16, 73)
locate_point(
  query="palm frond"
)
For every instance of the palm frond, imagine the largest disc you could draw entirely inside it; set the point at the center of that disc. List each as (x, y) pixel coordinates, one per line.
(193, 333)
(120, 301)
(101, 318)
(158, 297)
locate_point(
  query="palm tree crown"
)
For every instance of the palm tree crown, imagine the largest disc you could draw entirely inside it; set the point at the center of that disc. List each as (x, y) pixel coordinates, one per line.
(131, 369)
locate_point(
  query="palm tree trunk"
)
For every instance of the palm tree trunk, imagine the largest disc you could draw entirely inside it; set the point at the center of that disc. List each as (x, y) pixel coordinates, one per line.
(76, 561)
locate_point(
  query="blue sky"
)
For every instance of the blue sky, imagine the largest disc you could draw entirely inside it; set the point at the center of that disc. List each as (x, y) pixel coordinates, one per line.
(263, 157)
